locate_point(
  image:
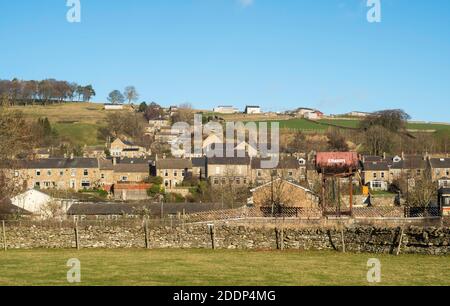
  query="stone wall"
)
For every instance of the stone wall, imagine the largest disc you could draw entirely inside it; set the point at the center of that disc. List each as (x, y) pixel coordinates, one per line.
(357, 238)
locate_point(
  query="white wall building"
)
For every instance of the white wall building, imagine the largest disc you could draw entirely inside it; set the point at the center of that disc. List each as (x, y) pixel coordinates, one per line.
(253, 110)
(226, 110)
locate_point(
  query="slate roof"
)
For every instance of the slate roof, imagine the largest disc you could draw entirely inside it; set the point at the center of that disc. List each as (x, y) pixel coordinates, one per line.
(60, 163)
(285, 163)
(174, 164)
(229, 161)
(132, 168)
(416, 162)
(199, 162)
(440, 163)
(376, 166)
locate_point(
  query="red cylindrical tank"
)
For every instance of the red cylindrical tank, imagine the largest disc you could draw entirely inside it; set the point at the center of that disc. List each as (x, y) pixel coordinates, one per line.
(337, 161)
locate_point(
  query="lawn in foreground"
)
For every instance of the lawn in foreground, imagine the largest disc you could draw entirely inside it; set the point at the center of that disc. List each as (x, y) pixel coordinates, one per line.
(221, 267)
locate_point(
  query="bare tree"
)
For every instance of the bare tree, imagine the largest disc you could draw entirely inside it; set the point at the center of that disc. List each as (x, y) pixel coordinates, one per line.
(131, 94)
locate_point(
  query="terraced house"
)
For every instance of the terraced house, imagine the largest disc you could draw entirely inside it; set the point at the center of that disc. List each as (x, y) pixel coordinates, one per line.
(440, 171)
(59, 173)
(289, 168)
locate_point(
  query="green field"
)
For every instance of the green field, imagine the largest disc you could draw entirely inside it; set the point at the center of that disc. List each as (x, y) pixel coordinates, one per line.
(324, 124)
(221, 267)
(75, 122)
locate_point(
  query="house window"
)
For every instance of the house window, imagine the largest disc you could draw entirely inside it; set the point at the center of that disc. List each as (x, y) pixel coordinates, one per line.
(175, 173)
(238, 181)
(49, 172)
(85, 184)
(124, 178)
(259, 173)
(216, 181)
(183, 173)
(376, 185)
(245, 181)
(166, 183)
(85, 172)
(37, 185)
(73, 172)
(166, 173)
(375, 175)
(61, 173)
(419, 172)
(382, 174)
(38, 172)
(290, 173)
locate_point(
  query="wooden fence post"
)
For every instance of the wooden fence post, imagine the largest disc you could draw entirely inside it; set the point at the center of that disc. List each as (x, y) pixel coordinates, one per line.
(77, 237)
(147, 244)
(4, 236)
(213, 235)
(343, 240)
(282, 239)
(400, 242)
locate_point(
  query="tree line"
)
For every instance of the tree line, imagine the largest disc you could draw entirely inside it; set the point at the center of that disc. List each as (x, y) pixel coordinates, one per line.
(48, 91)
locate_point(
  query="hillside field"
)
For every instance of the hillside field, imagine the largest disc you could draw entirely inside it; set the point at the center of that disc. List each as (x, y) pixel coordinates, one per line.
(219, 268)
(79, 122)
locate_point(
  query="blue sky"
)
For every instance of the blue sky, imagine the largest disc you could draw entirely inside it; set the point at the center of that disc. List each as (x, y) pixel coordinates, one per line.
(279, 54)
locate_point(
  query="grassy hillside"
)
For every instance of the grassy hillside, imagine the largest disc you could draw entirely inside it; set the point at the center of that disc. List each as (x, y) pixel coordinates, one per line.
(75, 122)
(324, 124)
(79, 122)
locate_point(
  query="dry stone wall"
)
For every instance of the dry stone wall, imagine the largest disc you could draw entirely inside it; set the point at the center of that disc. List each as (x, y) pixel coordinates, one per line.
(419, 240)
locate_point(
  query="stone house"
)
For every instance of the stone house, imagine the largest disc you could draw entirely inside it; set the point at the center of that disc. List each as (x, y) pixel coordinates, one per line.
(59, 173)
(410, 167)
(440, 171)
(130, 172)
(172, 171)
(225, 170)
(126, 149)
(375, 174)
(284, 193)
(289, 168)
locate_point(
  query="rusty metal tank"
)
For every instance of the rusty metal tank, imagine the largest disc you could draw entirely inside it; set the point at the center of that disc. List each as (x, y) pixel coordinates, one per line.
(337, 162)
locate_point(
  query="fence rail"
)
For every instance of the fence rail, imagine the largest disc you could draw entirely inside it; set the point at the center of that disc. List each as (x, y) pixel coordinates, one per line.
(422, 212)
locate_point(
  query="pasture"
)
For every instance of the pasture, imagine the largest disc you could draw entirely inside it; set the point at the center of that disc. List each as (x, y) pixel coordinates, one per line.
(218, 268)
